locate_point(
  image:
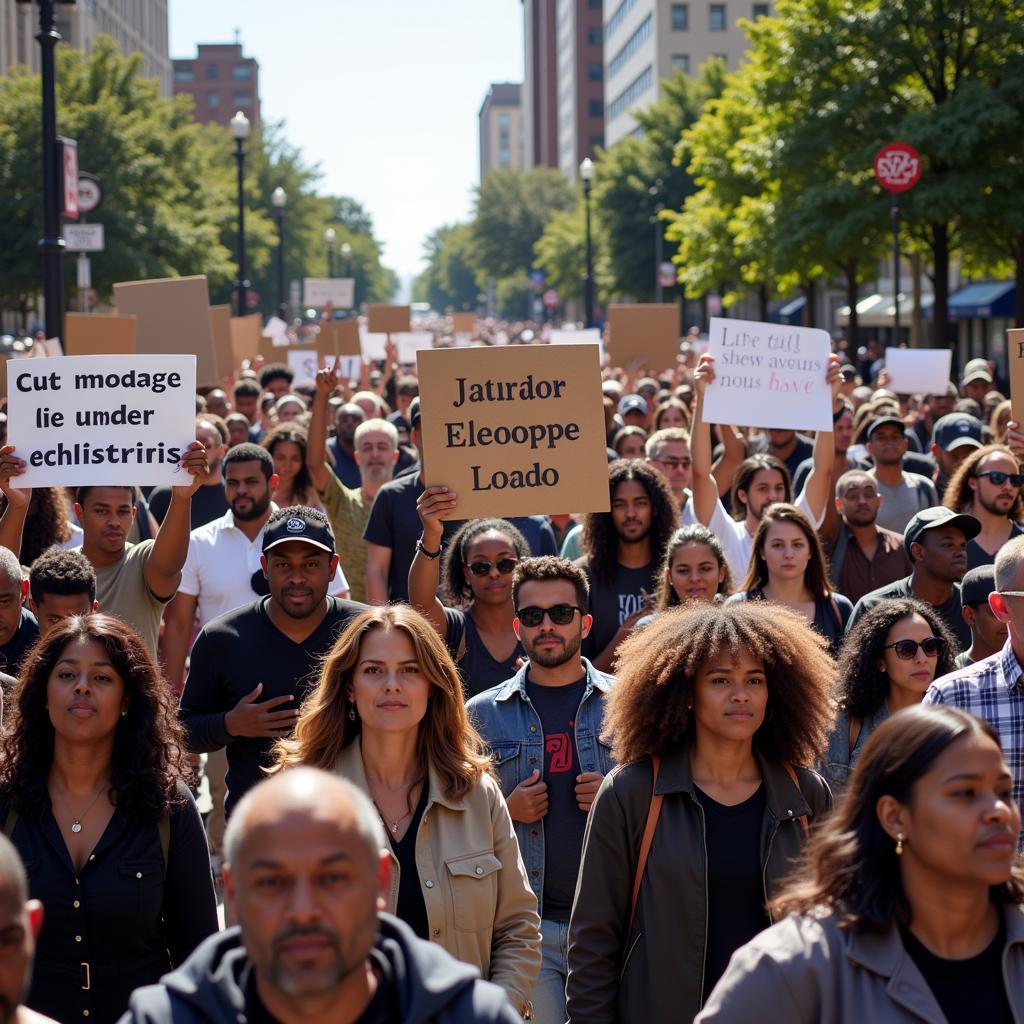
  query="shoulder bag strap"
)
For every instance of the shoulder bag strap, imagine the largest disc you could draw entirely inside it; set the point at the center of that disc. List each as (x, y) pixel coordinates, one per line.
(791, 772)
(653, 812)
(10, 822)
(164, 828)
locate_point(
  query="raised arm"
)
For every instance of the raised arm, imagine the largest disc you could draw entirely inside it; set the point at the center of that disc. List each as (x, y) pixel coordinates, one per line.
(819, 481)
(705, 489)
(316, 446)
(12, 522)
(734, 451)
(423, 573)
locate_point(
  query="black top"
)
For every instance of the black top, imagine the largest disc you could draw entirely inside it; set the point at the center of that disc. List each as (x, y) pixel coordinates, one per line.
(736, 911)
(208, 503)
(411, 907)
(613, 601)
(564, 823)
(345, 467)
(977, 555)
(804, 449)
(830, 615)
(120, 914)
(967, 991)
(230, 656)
(478, 668)
(12, 654)
(951, 612)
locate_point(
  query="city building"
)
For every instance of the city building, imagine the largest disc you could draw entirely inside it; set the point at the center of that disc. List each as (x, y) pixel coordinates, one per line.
(647, 41)
(137, 27)
(502, 141)
(222, 80)
(540, 79)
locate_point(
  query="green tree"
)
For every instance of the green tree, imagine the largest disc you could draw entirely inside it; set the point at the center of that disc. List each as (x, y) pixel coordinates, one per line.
(449, 280)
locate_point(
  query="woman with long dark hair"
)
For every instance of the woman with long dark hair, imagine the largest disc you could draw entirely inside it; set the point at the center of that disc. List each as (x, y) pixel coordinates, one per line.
(287, 444)
(909, 903)
(94, 795)
(889, 660)
(693, 569)
(713, 714)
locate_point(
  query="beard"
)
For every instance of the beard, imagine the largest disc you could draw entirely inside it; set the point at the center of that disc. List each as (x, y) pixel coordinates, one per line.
(998, 506)
(556, 656)
(259, 507)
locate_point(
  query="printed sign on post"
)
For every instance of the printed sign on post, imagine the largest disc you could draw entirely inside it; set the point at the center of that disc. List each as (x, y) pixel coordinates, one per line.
(339, 338)
(515, 431)
(918, 370)
(102, 419)
(768, 375)
(318, 291)
(1015, 356)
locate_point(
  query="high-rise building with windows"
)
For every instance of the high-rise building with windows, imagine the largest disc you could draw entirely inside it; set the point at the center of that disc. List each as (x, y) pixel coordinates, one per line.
(502, 141)
(222, 80)
(646, 41)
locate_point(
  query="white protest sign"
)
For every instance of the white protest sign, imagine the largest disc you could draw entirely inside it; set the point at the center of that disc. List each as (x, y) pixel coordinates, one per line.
(318, 291)
(304, 363)
(587, 336)
(112, 420)
(768, 375)
(408, 343)
(373, 345)
(350, 367)
(277, 331)
(918, 370)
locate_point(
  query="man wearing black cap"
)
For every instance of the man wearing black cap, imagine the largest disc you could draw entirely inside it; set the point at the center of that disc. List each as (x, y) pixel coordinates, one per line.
(976, 381)
(251, 668)
(936, 541)
(954, 438)
(903, 494)
(988, 634)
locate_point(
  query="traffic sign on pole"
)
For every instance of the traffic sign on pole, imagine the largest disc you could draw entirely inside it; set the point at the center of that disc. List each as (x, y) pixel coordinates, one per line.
(90, 194)
(897, 167)
(551, 299)
(83, 237)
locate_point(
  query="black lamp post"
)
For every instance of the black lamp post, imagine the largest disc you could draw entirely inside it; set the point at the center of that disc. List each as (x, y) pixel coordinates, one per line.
(655, 193)
(51, 245)
(279, 198)
(329, 236)
(240, 130)
(586, 176)
(346, 252)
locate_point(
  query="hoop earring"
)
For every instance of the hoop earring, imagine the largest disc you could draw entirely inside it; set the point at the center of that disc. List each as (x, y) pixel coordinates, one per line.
(899, 844)
(352, 711)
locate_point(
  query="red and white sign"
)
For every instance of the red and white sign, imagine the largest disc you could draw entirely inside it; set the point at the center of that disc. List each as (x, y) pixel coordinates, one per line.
(70, 155)
(90, 195)
(552, 299)
(897, 167)
(666, 274)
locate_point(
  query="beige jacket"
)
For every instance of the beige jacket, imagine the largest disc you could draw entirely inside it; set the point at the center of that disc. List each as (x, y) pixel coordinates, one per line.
(810, 971)
(480, 906)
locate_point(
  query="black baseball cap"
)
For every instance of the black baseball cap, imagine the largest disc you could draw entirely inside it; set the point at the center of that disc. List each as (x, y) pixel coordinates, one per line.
(414, 411)
(977, 584)
(957, 429)
(302, 524)
(881, 421)
(939, 515)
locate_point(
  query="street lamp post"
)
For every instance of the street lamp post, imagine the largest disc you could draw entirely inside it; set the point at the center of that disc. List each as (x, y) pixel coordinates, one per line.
(586, 176)
(279, 198)
(329, 237)
(346, 252)
(655, 193)
(240, 131)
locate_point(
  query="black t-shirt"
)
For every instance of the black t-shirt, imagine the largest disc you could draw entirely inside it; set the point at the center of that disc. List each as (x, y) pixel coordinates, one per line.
(230, 656)
(564, 823)
(967, 991)
(951, 611)
(613, 601)
(977, 555)
(411, 907)
(12, 654)
(736, 911)
(804, 449)
(478, 668)
(208, 503)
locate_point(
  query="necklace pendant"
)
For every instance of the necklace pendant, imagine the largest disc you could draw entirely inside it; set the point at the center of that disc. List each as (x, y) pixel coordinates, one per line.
(394, 829)
(76, 826)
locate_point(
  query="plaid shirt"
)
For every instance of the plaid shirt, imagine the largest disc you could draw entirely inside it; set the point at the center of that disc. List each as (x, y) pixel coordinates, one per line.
(991, 689)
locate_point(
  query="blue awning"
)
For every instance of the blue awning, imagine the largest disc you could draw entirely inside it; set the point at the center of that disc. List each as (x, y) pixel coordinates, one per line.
(983, 300)
(792, 312)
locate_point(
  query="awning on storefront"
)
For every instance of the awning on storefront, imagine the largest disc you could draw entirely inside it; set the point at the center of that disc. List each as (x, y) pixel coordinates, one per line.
(792, 312)
(878, 310)
(983, 300)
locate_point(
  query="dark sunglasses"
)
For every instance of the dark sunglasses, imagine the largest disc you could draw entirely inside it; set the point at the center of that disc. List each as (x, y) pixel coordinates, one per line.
(998, 477)
(503, 565)
(560, 614)
(907, 649)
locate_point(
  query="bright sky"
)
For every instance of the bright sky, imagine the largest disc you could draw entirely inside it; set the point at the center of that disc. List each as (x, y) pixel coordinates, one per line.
(383, 94)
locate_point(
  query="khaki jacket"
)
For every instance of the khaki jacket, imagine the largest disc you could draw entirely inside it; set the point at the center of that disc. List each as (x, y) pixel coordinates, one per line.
(808, 969)
(480, 907)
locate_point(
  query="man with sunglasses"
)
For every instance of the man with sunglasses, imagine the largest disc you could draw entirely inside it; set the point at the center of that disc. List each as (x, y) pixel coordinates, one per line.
(668, 451)
(543, 727)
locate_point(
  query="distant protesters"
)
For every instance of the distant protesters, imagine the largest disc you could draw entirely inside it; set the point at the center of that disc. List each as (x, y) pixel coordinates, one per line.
(711, 712)
(908, 906)
(988, 633)
(693, 569)
(287, 446)
(18, 627)
(209, 502)
(668, 450)
(889, 660)
(954, 437)
(61, 584)
(903, 493)
(94, 795)
(628, 442)
(47, 524)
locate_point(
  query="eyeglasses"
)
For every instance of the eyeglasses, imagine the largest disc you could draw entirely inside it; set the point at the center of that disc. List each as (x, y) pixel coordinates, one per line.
(560, 614)
(503, 565)
(675, 463)
(906, 650)
(998, 477)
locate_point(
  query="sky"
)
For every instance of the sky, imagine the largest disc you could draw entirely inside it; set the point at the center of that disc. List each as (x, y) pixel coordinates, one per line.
(382, 94)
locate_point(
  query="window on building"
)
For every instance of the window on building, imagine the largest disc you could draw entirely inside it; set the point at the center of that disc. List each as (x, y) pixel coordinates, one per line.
(680, 17)
(184, 75)
(618, 17)
(595, 141)
(594, 35)
(641, 84)
(760, 11)
(635, 41)
(681, 62)
(594, 5)
(212, 72)
(504, 157)
(595, 71)
(242, 72)
(504, 120)
(213, 99)
(242, 99)
(595, 108)
(716, 18)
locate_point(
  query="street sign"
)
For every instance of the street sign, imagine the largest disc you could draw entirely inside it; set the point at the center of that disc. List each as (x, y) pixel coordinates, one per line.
(536, 278)
(666, 274)
(69, 166)
(897, 167)
(318, 291)
(90, 195)
(551, 299)
(84, 272)
(83, 237)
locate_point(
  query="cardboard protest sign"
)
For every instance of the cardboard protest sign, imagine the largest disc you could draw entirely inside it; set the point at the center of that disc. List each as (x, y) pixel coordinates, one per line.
(1015, 356)
(95, 334)
(245, 337)
(319, 291)
(768, 375)
(463, 323)
(648, 331)
(515, 431)
(102, 419)
(339, 338)
(388, 319)
(918, 370)
(304, 362)
(220, 325)
(173, 315)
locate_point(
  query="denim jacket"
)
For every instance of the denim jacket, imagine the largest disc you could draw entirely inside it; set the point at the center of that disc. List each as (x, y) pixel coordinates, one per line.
(512, 730)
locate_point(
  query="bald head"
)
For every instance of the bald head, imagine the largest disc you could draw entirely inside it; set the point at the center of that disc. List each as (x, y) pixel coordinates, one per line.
(13, 883)
(10, 567)
(1010, 565)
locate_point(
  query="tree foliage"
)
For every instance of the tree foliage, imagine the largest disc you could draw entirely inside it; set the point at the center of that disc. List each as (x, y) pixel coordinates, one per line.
(449, 281)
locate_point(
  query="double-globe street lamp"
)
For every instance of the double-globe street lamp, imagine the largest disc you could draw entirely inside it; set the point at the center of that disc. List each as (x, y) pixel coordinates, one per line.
(330, 235)
(240, 131)
(587, 176)
(279, 199)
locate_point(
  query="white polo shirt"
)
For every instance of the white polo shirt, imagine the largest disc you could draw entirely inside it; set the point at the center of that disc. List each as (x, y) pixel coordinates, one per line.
(219, 567)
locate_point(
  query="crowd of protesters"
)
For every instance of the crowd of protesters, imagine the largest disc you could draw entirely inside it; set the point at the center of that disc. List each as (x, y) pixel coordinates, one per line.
(289, 741)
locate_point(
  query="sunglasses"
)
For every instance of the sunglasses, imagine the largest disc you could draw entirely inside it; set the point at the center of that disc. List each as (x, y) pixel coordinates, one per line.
(907, 649)
(998, 477)
(675, 463)
(503, 565)
(560, 614)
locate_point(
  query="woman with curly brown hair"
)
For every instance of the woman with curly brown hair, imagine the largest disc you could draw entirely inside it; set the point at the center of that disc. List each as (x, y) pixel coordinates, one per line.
(387, 714)
(712, 709)
(94, 795)
(909, 903)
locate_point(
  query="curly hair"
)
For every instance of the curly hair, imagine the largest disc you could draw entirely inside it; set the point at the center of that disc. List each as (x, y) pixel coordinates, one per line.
(551, 567)
(600, 541)
(457, 588)
(46, 522)
(665, 595)
(447, 741)
(816, 573)
(303, 491)
(862, 689)
(850, 865)
(149, 742)
(646, 711)
(744, 476)
(958, 495)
